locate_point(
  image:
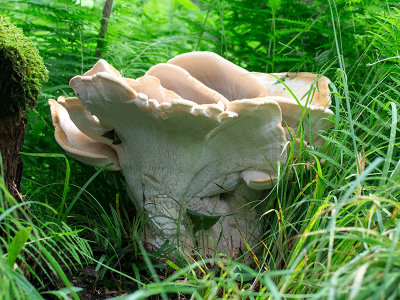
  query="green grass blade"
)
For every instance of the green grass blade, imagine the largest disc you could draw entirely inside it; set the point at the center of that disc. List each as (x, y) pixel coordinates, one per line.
(17, 244)
(392, 140)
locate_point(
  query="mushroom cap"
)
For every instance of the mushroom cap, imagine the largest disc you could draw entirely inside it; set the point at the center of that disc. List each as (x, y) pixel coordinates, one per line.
(307, 87)
(78, 145)
(151, 87)
(180, 81)
(191, 147)
(219, 74)
(316, 119)
(311, 97)
(102, 66)
(242, 137)
(311, 91)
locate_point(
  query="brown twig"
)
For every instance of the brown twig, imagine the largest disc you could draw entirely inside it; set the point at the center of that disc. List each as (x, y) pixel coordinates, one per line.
(103, 28)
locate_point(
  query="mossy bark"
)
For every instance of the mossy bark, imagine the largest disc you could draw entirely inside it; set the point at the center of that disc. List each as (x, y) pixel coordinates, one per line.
(22, 70)
(12, 133)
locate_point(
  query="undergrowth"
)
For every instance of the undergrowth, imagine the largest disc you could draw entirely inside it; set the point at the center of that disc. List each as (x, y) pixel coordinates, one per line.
(332, 228)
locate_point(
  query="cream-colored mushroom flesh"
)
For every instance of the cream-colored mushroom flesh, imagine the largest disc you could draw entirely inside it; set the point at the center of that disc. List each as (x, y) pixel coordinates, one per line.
(196, 134)
(79, 145)
(259, 180)
(102, 66)
(188, 143)
(316, 119)
(151, 87)
(307, 87)
(179, 154)
(181, 82)
(219, 74)
(303, 97)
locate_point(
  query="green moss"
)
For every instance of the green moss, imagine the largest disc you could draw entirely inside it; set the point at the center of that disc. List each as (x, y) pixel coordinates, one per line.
(21, 70)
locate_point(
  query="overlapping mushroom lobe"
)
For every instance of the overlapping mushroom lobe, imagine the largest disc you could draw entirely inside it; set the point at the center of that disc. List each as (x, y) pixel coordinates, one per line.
(220, 75)
(303, 98)
(76, 143)
(179, 148)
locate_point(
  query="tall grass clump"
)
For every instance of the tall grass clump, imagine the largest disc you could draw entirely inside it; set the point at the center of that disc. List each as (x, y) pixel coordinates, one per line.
(36, 248)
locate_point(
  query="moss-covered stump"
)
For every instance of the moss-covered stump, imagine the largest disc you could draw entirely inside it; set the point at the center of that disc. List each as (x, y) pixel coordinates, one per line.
(22, 70)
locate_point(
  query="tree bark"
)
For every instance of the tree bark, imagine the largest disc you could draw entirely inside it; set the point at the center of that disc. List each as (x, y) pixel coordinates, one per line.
(103, 28)
(12, 134)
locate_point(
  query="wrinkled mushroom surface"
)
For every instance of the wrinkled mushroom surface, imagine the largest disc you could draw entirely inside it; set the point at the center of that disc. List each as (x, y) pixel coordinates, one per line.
(74, 142)
(304, 98)
(198, 133)
(219, 74)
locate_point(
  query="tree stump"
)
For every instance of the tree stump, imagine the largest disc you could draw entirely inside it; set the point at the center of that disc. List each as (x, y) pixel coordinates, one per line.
(12, 133)
(22, 70)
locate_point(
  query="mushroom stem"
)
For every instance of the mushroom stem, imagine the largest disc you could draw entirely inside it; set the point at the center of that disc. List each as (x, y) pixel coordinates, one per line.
(235, 215)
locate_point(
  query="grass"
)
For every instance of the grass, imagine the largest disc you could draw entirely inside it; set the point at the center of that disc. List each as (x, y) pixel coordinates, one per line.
(37, 248)
(331, 230)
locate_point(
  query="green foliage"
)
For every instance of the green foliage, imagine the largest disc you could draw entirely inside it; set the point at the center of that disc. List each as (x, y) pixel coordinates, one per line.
(331, 229)
(38, 245)
(22, 69)
(13, 285)
(17, 244)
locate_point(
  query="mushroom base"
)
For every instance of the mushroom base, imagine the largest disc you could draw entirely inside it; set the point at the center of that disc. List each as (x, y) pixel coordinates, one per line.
(223, 223)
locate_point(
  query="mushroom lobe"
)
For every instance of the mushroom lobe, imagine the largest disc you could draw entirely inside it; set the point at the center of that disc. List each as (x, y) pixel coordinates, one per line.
(219, 74)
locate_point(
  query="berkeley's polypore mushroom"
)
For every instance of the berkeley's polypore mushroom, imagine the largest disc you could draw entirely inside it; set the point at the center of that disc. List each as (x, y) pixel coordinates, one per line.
(187, 143)
(302, 96)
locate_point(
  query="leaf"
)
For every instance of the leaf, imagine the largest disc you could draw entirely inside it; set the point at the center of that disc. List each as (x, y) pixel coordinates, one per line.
(200, 221)
(187, 4)
(100, 262)
(323, 57)
(17, 244)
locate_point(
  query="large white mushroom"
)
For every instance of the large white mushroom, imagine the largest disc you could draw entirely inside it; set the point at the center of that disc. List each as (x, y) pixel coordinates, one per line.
(303, 97)
(194, 142)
